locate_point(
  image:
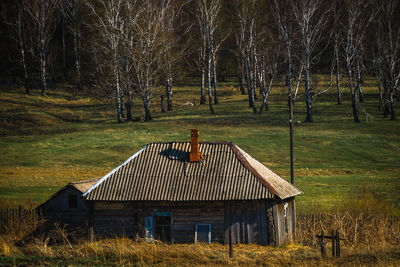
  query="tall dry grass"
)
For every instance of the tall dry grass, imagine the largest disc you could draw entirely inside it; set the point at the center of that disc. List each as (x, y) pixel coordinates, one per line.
(128, 252)
(366, 223)
(359, 229)
(372, 239)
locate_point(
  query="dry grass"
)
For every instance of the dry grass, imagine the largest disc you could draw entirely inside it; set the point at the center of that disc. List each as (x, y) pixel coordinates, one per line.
(361, 230)
(366, 222)
(371, 240)
(128, 252)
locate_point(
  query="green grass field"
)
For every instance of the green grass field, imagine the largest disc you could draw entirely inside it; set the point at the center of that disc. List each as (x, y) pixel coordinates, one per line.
(46, 142)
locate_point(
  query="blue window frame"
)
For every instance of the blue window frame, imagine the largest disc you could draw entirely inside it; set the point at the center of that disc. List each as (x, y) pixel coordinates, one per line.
(203, 233)
(149, 227)
(161, 213)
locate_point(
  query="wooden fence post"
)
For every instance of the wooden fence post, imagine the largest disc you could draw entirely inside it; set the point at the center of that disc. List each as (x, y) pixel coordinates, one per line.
(337, 244)
(333, 243)
(91, 234)
(230, 242)
(322, 243)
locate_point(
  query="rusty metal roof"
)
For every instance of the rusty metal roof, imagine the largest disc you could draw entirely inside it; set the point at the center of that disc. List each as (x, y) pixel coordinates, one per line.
(162, 172)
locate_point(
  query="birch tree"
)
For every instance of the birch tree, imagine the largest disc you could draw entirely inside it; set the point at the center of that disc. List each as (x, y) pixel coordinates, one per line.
(18, 25)
(390, 50)
(310, 17)
(173, 47)
(273, 56)
(168, 32)
(247, 47)
(44, 16)
(240, 60)
(207, 12)
(109, 25)
(76, 33)
(65, 20)
(148, 51)
(355, 25)
(127, 51)
(201, 62)
(337, 16)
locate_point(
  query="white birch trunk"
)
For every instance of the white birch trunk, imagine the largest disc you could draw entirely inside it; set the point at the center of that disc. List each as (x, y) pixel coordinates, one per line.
(209, 62)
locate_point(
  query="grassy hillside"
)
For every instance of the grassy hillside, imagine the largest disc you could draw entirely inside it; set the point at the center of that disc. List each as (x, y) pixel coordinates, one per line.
(46, 142)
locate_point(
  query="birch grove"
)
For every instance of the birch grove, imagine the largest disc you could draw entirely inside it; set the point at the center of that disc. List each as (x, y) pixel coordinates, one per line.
(135, 52)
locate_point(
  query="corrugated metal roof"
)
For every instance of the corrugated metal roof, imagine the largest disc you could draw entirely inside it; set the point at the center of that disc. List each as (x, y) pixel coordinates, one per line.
(162, 172)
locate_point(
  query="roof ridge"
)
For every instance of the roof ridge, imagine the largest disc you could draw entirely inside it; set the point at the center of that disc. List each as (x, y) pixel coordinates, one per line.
(84, 181)
(200, 142)
(243, 159)
(247, 164)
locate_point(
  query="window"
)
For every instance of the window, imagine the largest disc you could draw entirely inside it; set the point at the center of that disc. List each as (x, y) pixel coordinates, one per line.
(72, 201)
(203, 233)
(149, 228)
(158, 227)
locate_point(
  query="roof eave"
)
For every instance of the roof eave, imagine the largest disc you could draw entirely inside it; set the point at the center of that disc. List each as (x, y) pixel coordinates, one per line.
(270, 187)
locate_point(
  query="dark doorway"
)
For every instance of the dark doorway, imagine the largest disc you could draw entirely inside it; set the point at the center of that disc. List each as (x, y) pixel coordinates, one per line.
(203, 233)
(162, 227)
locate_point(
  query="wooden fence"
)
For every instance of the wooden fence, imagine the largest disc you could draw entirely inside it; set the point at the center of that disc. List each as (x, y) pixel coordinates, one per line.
(14, 218)
(356, 228)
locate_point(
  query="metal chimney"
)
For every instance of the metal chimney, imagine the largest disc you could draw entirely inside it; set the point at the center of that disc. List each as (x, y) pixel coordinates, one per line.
(194, 146)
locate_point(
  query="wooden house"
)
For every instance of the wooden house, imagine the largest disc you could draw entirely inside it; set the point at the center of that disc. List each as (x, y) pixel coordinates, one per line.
(193, 192)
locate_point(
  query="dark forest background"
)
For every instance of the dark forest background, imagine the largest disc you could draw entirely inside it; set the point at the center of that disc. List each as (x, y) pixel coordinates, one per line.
(141, 49)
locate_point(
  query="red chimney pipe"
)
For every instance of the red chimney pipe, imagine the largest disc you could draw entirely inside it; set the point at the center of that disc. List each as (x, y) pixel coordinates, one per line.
(194, 146)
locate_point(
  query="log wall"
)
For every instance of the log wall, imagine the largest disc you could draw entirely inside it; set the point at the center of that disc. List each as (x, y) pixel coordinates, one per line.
(262, 221)
(57, 211)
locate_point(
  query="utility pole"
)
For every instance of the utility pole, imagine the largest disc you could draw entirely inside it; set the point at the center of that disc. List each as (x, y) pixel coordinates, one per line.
(290, 100)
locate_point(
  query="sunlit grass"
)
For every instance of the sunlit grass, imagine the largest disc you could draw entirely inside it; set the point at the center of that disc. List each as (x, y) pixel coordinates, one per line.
(66, 136)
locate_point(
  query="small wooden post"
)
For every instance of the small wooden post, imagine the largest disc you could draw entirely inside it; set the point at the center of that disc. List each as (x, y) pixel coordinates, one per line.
(162, 104)
(333, 243)
(91, 234)
(337, 244)
(230, 242)
(322, 243)
(20, 212)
